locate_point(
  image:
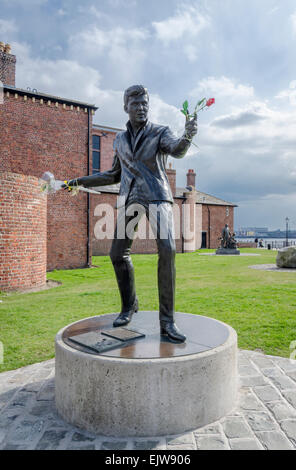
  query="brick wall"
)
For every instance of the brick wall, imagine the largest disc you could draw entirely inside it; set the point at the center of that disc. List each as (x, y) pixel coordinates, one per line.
(22, 232)
(39, 135)
(147, 245)
(218, 219)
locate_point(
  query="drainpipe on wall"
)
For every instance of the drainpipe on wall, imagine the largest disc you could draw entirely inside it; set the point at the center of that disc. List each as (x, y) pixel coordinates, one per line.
(181, 222)
(209, 226)
(88, 261)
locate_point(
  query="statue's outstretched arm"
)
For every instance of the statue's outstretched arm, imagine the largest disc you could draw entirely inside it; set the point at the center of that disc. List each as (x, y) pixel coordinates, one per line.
(100, 179)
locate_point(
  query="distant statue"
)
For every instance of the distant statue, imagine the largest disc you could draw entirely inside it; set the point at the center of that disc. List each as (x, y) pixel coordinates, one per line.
(232, 243)
(228, 242)
(225, 236)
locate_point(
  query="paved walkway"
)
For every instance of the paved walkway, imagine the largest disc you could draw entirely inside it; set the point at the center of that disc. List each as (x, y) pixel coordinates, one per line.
(264, 418)
(272, 267)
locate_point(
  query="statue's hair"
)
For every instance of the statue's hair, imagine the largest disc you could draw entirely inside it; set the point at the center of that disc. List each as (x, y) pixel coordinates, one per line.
(135, 90)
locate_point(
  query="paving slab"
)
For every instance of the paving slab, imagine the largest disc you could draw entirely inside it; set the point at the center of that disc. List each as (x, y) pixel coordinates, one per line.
(245, 444)
(275, 440)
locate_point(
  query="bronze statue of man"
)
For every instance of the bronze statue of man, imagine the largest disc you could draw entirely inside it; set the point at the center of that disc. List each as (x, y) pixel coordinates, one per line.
(139, 165)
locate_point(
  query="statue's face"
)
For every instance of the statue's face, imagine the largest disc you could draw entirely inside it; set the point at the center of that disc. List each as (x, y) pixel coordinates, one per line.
(137, 109)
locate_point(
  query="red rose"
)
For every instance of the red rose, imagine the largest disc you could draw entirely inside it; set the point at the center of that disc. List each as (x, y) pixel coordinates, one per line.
(210, 102)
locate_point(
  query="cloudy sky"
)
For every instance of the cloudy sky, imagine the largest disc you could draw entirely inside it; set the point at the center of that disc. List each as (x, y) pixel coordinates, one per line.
(242, 52)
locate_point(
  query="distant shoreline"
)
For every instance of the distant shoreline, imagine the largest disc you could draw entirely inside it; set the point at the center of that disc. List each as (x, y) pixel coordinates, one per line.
(263, 238)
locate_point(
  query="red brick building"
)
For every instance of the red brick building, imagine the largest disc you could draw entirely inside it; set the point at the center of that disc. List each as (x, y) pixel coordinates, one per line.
(210, 216)
(41, 132)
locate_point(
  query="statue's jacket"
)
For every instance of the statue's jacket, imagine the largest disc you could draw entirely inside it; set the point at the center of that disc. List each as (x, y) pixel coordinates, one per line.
(142, 159)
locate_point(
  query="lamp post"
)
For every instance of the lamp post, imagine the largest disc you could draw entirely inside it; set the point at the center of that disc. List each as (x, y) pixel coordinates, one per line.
(287, 231)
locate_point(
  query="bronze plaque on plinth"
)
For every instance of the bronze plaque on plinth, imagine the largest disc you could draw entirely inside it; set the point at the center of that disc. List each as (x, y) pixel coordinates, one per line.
(105, 340)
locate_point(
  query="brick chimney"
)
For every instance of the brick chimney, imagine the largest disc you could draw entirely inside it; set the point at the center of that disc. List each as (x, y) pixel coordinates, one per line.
(191, 178)
(7, 65)
(171, 174)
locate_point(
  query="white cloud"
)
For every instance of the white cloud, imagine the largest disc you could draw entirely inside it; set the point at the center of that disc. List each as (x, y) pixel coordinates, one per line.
(7, 26)
(249, 155)
(289, 93)
(191, 52)
(61, 12)
(223, 87)
(92, 12)
(250, 115)
(123, 47)
(188, 22)
(165, 114)
(69, 79)
(118, 3)
(270, 210)
(293, 21)
(273, 10)
(27, 2)
(256, 127)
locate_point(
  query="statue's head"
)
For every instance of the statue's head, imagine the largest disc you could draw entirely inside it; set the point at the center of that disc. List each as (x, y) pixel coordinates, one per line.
(136, 103)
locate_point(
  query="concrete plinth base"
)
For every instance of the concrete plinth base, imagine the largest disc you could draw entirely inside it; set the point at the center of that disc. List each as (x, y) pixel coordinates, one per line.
(150, 387)
(227, 251)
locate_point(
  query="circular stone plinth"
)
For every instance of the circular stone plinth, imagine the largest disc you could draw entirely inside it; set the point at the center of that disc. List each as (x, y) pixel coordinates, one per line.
(150, 387)
(241, 254)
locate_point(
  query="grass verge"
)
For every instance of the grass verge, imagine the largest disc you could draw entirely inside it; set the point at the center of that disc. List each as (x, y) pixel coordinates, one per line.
(259, 305)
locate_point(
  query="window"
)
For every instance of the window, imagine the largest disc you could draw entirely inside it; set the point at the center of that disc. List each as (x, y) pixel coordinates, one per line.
(96, 145)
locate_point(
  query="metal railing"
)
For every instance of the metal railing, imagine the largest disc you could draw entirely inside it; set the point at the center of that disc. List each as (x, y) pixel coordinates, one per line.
(278, 244)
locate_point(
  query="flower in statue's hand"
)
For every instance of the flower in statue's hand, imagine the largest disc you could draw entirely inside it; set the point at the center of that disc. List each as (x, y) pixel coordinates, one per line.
(210, 102)
(191, 124)
(204, 103)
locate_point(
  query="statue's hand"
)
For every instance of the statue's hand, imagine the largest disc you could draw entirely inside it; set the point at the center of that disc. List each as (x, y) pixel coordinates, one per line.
(70, 184)
(191, 128)
(73, 182)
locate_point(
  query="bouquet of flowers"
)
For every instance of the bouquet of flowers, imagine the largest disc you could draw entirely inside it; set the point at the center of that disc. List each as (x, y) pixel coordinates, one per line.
(49, 185)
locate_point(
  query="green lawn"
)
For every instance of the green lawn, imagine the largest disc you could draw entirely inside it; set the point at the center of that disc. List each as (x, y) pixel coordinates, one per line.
(260, 305)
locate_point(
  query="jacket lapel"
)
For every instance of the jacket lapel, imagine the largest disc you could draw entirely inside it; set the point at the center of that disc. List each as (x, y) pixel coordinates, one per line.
(141, 136)
(128, 143)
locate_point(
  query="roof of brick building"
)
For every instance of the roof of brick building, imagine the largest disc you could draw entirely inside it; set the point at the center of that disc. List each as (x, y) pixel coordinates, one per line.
(46, 96)
(201, 198)
(204, 198)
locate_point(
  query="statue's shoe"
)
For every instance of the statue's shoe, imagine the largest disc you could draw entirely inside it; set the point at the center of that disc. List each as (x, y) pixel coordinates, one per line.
(172, 332)
(126, 315)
